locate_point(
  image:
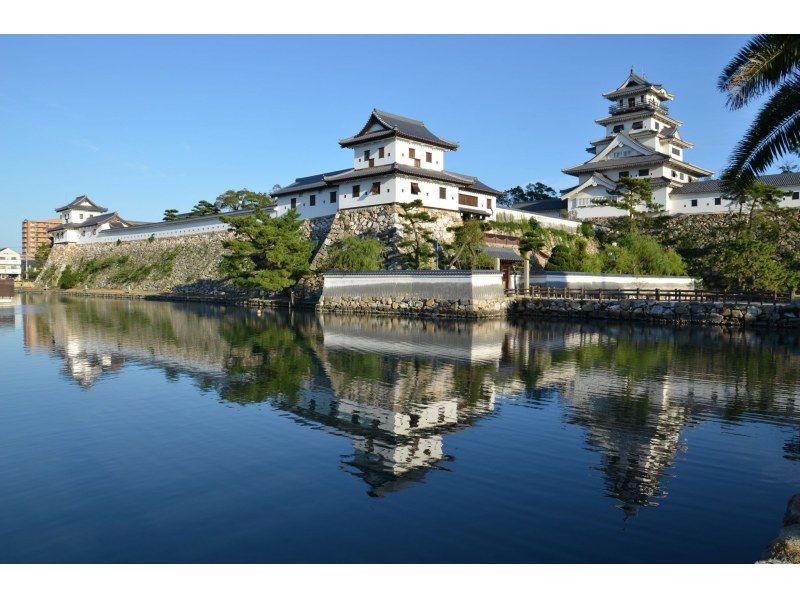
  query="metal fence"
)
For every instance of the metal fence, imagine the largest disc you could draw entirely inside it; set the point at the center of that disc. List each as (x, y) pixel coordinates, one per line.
(658, 295)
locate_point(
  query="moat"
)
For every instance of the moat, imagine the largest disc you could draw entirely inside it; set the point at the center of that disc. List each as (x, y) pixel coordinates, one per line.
(138, 431)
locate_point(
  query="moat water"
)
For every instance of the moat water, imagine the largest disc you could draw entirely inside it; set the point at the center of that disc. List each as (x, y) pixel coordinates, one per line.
(135, 431)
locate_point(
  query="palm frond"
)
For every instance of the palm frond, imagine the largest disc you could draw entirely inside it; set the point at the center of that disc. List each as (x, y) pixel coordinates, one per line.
(759, 67)
(774, 132)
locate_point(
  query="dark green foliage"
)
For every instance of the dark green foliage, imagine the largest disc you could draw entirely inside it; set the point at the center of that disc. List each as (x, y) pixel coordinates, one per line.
(69, 278)
(469, 240)
(243, 199)
(561, 259)
(266, 253)
(42, 253)
(532, 192)
(170, 215)
(418, 244)
(640, 254)
(767, 64)
(587, 230)
(532, 239)
(354, 254)
(204, 208)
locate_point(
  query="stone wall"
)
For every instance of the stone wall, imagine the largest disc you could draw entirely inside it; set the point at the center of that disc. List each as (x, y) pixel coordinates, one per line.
(664, 312)
(186, 264)
(383, 222)
(404, 305)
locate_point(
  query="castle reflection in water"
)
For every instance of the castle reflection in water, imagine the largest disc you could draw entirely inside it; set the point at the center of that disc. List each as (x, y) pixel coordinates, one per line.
(398, 388)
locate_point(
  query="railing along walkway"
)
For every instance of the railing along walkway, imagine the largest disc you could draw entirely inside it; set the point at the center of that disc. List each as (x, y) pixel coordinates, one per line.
(657, 295)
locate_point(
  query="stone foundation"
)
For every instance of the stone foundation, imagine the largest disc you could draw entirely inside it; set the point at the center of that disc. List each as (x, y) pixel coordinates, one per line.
(415, 307)
(664, 312)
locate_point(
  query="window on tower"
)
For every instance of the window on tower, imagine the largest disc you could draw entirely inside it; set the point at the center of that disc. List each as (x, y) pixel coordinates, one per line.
(618, 128)
(637, 125)
(624, 173)
(414, 188)
(356, 191)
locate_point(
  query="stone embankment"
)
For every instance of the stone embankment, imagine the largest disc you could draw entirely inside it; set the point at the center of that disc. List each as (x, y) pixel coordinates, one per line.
(717, 313)
(785, 549)
(415, 307)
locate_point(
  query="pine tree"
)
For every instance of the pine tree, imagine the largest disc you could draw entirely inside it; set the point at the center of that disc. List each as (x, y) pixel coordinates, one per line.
(418, 241)
(266, 253)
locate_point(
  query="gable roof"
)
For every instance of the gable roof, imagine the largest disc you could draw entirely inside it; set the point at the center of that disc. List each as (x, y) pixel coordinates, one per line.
(655, 158)
(622, 139)
(76, 203)
(394, 124)
(93, 221)
(635, 83)
(547, 205)
(784, 179)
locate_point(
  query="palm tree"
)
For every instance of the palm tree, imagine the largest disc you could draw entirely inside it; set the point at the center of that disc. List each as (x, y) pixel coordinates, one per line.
(768, 63)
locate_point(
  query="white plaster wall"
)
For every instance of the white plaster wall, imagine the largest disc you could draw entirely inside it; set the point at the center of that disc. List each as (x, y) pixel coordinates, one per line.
(402, 146)
(322, 207)
(389, 153)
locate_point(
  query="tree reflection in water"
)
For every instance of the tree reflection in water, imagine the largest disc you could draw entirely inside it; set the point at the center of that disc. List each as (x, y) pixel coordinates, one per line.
(397, 388)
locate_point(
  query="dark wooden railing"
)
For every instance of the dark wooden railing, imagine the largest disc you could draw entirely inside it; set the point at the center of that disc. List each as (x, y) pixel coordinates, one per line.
(659, 295)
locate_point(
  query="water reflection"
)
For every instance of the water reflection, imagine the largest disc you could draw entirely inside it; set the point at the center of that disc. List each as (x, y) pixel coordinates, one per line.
(398, 388)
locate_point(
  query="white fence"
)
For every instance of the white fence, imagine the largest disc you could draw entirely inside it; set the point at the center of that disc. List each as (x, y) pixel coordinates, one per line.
(450, 285)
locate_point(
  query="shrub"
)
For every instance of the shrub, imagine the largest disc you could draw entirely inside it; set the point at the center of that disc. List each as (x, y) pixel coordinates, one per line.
(68, 279)
(352, 253)
(636, 253)
(587, 229)
(561, 259)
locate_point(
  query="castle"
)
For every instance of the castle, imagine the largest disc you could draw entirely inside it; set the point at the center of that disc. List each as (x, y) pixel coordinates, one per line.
(642, 140)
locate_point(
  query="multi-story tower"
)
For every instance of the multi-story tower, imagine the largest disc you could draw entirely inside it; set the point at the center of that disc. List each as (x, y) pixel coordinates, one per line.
(34, 235)
(640, 140)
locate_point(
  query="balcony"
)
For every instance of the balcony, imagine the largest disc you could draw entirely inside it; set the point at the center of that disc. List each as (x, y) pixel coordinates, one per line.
(646, 105)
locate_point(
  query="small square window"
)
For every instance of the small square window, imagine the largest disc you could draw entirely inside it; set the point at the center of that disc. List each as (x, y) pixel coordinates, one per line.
(624, 173)
(312, 200)
(333, 197)
(618, 128)
(380, 152)
(717, 201)
(676, 151)
(366, 155)
(376, 189)
(356, 191)
(694, 203)
(414, 188)
(674, 174)
(796, 195)
(412, 153)
(638, 125)
(428, 157)
(644, 172)
(293, 203)
(442, 192)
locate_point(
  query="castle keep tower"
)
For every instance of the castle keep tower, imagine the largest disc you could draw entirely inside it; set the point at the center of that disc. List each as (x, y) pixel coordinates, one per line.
(640, 140)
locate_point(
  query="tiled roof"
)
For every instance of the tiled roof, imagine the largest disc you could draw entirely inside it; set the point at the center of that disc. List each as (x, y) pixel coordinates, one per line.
(784, 179)
(75, 203)
(396, 125)
(307, 183)
(617, 163)
(464, 181)
(547, 205)
(93, 221)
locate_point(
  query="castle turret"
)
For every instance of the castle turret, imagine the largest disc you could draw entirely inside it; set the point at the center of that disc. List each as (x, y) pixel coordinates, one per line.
(641, 140)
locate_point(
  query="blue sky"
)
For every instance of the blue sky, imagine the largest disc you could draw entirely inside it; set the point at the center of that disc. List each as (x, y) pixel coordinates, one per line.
(145, 123)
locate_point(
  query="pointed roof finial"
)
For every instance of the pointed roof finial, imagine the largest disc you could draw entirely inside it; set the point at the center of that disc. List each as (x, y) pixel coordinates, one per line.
(632, 69)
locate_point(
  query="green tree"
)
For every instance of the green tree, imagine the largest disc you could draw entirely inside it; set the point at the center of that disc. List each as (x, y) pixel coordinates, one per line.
(749, 263)
(532, 192)
(418, 242)
(204, 208)
(243, 199)
(468, 244)
(355, 254)
(561, 259)
(170, 215)
(628, 196)
(266, 253)
(640, 254)
(757, 196)
(532, 238)
(767, 64)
